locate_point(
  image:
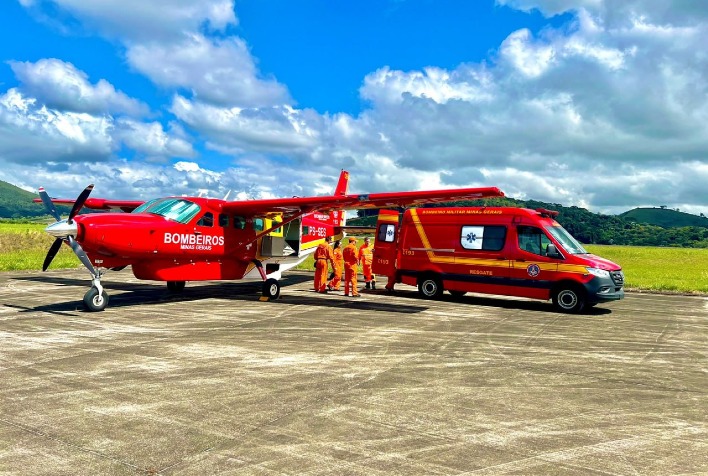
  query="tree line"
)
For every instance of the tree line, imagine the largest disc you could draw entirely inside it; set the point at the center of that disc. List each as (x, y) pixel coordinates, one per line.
(588, 227)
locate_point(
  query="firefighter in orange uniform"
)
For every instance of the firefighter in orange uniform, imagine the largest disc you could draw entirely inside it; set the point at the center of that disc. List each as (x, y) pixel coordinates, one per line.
(366, 258)
(323, 255)
(338, 268)
(351, 260)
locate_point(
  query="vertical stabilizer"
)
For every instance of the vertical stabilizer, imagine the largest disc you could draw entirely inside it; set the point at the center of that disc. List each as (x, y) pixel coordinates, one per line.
(343, 184)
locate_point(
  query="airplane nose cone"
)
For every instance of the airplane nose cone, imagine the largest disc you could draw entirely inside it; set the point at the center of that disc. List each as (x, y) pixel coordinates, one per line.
(61, 229)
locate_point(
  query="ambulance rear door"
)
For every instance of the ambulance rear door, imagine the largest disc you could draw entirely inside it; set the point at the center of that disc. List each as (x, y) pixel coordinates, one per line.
(386, 243)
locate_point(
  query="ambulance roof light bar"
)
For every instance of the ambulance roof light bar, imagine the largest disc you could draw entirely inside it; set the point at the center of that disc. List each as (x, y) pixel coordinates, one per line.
(547, 213)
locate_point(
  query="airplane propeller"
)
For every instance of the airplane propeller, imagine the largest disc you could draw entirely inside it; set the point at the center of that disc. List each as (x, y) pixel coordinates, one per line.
(65, 230)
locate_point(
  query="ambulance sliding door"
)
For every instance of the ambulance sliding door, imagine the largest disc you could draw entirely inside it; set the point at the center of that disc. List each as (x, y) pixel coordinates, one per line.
(482, 260)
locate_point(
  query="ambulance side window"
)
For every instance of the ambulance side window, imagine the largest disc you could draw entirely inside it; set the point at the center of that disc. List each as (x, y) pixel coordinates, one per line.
(486, 238)
(387, 232)
(532, 239)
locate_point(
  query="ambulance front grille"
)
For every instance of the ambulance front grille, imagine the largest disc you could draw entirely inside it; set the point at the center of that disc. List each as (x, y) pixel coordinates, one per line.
(617, 277)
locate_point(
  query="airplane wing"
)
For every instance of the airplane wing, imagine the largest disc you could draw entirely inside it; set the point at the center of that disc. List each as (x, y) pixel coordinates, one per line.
(328, 203)
(99, 203)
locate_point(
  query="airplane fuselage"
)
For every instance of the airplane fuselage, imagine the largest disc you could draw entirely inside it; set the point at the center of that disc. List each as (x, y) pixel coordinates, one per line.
(205, 244)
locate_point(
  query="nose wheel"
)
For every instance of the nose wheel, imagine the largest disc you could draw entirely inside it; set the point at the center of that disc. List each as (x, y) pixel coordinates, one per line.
(96, 298)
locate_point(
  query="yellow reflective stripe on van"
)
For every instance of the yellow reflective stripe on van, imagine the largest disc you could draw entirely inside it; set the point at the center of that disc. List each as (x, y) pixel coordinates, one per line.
(391, 218)
(572, 268)
(451, 259)
(491, 263)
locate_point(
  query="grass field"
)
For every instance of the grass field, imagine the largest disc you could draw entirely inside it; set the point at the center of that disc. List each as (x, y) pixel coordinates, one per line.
(680, 270)
(24, 246)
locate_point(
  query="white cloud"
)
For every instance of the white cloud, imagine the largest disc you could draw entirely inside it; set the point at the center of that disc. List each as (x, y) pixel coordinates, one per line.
(608, 111)
(59, 85)
(32, 133)
(136, 21)
(151, 140)
(217, 71)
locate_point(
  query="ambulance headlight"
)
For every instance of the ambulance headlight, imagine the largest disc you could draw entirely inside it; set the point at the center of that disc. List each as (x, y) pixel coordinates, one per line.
(600, 273)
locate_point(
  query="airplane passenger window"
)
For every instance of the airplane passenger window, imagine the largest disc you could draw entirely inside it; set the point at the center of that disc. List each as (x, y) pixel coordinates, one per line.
(258, 224)
(223, 220)
(239, 222)
(206, 220)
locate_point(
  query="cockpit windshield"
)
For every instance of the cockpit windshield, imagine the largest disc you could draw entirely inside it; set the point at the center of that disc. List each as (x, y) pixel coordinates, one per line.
(177, 209)
(566, 240)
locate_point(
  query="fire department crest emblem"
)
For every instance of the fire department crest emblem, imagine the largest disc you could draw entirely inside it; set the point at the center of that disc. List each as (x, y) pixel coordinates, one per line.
(533, 270)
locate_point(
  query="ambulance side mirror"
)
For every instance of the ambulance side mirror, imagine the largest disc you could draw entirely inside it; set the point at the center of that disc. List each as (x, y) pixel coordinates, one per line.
(552, 252)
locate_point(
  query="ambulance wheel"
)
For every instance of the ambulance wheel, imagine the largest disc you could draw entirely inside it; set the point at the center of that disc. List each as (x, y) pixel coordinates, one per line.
(271, 288)
(569, 298)
(94, 302)
(175, 286)
(457, 293)
(430, 287)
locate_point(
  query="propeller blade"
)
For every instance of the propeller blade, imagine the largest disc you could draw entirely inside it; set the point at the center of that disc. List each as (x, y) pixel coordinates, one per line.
(48, 205)
(80, 200)
(52, 253)
(81, 254)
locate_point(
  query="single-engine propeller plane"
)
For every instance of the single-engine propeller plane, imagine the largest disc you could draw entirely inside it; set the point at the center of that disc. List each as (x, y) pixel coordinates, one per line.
(180, 239)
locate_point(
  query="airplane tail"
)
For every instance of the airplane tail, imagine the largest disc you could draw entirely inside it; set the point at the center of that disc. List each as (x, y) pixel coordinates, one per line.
(339, 217)
(343, 184)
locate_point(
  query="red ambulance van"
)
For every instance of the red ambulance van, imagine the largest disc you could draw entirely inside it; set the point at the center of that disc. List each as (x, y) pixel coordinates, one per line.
(493, 250)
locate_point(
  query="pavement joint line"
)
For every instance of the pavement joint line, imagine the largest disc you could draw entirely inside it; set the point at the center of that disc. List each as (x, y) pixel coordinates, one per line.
(43, 434)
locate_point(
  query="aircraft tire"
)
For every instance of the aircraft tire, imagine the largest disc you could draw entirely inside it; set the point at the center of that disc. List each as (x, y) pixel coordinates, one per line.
(271, 288)
(94, 302)
(430, 287)
(175, 286)
(569, 298)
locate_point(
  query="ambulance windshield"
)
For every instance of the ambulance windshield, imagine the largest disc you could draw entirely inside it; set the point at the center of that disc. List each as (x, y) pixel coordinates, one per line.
(566, 240)
(177, 209)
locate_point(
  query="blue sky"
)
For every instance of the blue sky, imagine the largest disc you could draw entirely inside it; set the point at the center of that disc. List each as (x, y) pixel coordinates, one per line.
(596, 103)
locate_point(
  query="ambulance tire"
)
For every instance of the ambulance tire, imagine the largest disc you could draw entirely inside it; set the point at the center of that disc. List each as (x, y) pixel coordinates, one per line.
(569, 298)
(176, 286)
(271, 288)
(457, 293)
(94, 302)
(430, 286)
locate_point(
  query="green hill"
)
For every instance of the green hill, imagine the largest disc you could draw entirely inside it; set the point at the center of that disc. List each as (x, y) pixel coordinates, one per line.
(17, 203)
(664, 217)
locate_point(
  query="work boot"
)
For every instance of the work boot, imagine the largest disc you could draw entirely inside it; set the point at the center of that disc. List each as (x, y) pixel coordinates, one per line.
(368, 285)
(373, 284)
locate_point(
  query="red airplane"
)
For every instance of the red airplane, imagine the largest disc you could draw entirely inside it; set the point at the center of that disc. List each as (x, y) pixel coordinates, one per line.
(180, 239)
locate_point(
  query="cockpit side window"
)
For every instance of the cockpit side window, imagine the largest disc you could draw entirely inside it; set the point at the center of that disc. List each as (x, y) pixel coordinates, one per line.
(206, 220)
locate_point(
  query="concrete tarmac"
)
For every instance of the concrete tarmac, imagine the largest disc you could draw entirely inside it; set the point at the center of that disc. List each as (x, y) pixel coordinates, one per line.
(214, 381)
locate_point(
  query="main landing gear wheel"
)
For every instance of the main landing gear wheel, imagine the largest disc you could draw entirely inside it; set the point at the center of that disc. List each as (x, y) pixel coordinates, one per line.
(95, 301)
(271, 288)
(175, 286)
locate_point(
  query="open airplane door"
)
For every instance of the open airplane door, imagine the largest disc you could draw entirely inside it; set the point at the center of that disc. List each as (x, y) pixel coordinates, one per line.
(386, 243)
